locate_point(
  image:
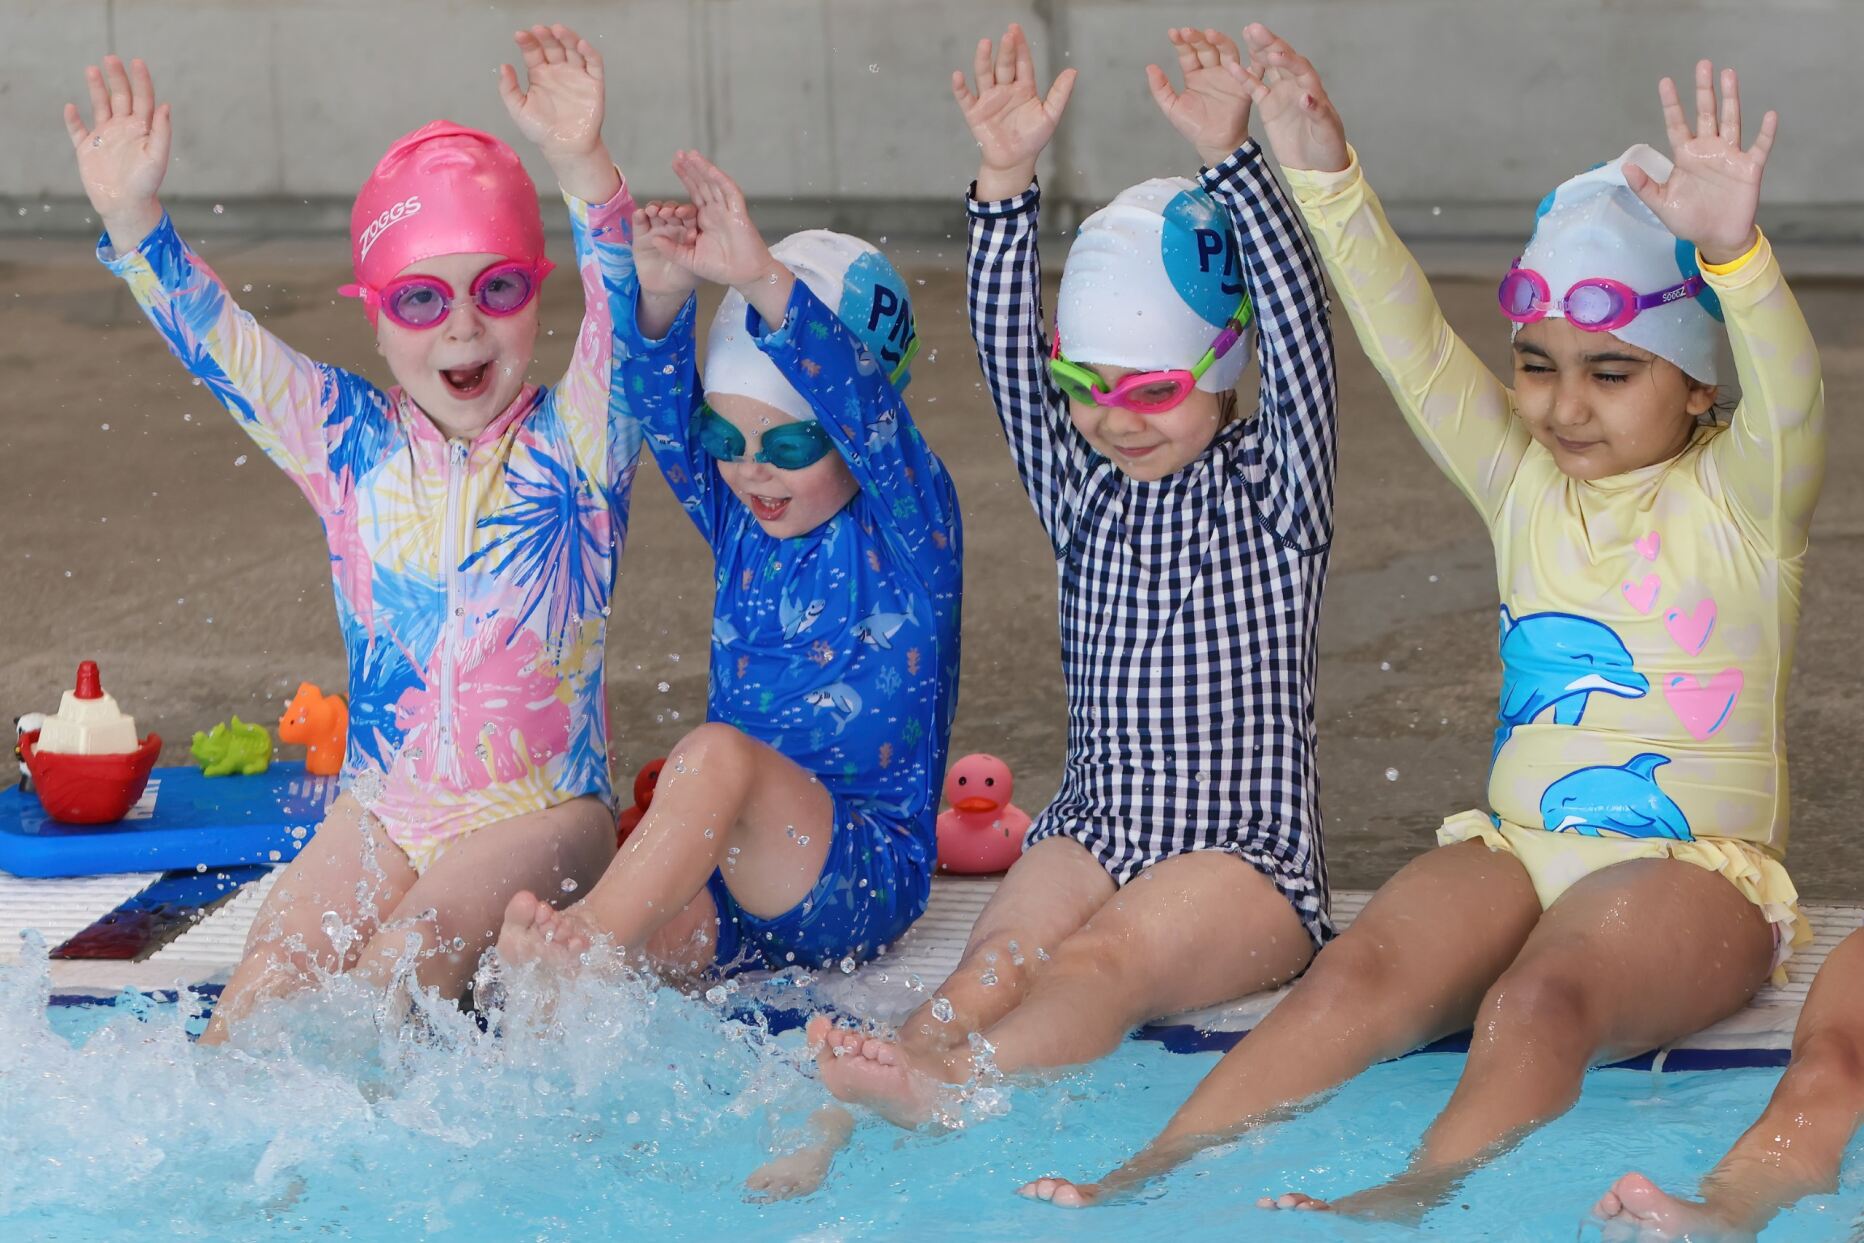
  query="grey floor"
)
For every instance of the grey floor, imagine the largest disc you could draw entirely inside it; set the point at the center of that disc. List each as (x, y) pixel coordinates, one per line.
(140, 528)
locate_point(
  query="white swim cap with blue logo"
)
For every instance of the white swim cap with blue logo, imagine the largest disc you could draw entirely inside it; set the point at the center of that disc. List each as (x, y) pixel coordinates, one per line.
(854, 280)
(1151, 280)
(1594, 225)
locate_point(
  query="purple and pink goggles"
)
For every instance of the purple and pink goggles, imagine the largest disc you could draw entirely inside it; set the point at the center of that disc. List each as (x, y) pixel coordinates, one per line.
(1597, 304)
(420, 302)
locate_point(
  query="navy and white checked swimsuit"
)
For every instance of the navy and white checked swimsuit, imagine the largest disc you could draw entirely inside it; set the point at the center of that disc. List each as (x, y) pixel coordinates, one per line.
(1189, 606)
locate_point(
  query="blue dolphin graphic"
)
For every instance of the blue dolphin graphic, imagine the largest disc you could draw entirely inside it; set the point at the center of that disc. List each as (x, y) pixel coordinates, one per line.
(1557, 661)
(1615, 802)
(879, 628)
(798, 619)
(836, 697)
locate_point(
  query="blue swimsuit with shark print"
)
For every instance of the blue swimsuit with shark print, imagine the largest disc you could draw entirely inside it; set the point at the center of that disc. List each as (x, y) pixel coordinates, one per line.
(838, 648)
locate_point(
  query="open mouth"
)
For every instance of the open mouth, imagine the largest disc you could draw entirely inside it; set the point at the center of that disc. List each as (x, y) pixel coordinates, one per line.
(768, 508)
(468, 382)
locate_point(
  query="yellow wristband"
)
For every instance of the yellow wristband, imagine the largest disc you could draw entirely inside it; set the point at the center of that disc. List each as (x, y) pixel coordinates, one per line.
(1733, 265)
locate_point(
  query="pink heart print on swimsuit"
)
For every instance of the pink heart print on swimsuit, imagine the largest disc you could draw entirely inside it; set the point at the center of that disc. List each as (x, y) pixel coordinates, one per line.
(1648, 617)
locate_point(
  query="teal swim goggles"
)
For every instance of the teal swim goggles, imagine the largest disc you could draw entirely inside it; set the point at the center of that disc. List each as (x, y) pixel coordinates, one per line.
(787, 446)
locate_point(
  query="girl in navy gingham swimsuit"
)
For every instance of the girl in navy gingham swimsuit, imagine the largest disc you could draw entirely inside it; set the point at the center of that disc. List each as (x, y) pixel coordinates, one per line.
(1180, 863)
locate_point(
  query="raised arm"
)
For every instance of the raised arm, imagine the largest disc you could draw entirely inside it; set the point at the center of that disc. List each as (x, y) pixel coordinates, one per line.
(1457, 408)
(559, 109)
(1013, 123)
(1772, 460)
(321, 425)
(1293, 488)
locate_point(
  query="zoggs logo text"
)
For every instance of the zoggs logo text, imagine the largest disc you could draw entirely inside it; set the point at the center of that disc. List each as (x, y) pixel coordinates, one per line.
(409, 206)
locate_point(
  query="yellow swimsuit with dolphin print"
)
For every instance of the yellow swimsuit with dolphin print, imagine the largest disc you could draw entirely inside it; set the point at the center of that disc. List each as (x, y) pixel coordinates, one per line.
(1647, 619)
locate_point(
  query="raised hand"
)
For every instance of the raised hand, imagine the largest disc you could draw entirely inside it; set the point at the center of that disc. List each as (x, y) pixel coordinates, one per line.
(123, 156)
(1299, 121)
(662, 232)
(561, 111)
(1011, 121)
(1212, 111)
(722, 246)
(1713, 193)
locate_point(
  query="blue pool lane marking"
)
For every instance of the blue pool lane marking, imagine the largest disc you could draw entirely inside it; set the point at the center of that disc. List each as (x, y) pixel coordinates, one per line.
(151, 919)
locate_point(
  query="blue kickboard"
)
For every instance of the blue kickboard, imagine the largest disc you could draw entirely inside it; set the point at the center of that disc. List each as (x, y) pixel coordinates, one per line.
(183, 820)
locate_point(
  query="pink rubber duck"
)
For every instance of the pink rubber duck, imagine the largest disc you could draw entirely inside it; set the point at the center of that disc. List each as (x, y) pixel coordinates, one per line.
(983, 831)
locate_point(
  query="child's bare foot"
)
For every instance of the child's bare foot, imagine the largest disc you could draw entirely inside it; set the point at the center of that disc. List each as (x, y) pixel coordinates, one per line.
(1061, 1192)
(1295, 1200)
(1636, 1210)
(795, 1174)
(534, 932)
(863, 1070)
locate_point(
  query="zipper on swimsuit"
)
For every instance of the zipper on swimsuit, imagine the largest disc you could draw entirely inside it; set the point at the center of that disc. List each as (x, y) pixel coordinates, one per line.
(449, 625)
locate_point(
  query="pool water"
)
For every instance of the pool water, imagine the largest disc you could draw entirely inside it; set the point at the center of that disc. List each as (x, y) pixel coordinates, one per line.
(636, 1112)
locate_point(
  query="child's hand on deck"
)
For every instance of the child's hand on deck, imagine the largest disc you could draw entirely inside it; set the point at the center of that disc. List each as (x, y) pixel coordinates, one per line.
(561, 112)
(1011, 122)
(1212, 112)
(1299, 121)
(1713, 193)
(123, 156)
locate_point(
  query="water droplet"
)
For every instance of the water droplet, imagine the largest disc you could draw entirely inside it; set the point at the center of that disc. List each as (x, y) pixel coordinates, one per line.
(1391, 774)
(240, 460)
(663, 687)
(568, 886)
(847, 966)
(803, 840)
(874, 69)
(941, 1009)
(989, 978)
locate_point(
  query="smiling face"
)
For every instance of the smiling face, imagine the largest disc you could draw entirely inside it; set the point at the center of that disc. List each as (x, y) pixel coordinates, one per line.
(1601, 406)
(786, 503)
(467, 369)
(1147, 446)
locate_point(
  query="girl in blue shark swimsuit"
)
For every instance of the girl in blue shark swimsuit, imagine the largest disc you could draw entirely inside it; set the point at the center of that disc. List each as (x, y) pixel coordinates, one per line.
(797, 823)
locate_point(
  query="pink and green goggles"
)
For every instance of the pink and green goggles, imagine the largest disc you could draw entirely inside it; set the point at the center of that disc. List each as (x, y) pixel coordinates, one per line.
(1597, 304)
(1145, 392)
(421, 302)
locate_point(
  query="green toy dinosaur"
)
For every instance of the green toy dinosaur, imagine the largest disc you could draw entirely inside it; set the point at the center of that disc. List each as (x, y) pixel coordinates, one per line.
(237, 748)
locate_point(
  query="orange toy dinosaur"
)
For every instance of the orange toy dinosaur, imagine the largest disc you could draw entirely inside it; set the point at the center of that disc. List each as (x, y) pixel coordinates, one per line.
(320, 723)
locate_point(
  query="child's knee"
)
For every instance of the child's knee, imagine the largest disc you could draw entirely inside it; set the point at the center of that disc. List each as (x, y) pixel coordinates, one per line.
(713, 740)
(1828, 1065)
(1544, 1003)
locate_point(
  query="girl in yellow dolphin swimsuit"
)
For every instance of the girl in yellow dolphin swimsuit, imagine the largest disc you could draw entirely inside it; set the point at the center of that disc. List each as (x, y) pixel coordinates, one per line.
(1627, 889)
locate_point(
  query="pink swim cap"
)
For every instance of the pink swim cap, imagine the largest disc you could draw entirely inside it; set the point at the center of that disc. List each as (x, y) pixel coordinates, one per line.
(442, 190)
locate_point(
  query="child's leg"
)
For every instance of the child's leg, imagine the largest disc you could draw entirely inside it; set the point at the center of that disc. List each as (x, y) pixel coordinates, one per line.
(1047, 895)
(1413, 967)
(1795, 1148)
(725, 800)
(1190, 931)
(349, 867)
(1630, 958)
(461, 898)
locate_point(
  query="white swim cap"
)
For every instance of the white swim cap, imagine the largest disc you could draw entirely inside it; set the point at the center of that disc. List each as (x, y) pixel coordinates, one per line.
(1593, 225)
(1151, 280)
(852, 279)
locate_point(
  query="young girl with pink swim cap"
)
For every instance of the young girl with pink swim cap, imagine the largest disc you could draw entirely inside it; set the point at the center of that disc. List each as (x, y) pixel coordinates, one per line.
(474, 519)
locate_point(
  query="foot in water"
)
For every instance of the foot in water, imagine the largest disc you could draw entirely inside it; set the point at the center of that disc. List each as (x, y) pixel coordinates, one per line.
(1061, 1192)
(536, 932)
(874, 1073)
(1636, 1210)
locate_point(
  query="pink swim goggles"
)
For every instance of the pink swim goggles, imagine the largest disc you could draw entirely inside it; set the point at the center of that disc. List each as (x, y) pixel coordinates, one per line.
(421, 302)
(1597, 304)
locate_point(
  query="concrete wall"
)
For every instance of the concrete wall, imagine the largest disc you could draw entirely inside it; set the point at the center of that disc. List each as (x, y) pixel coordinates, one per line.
(1465, 110)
